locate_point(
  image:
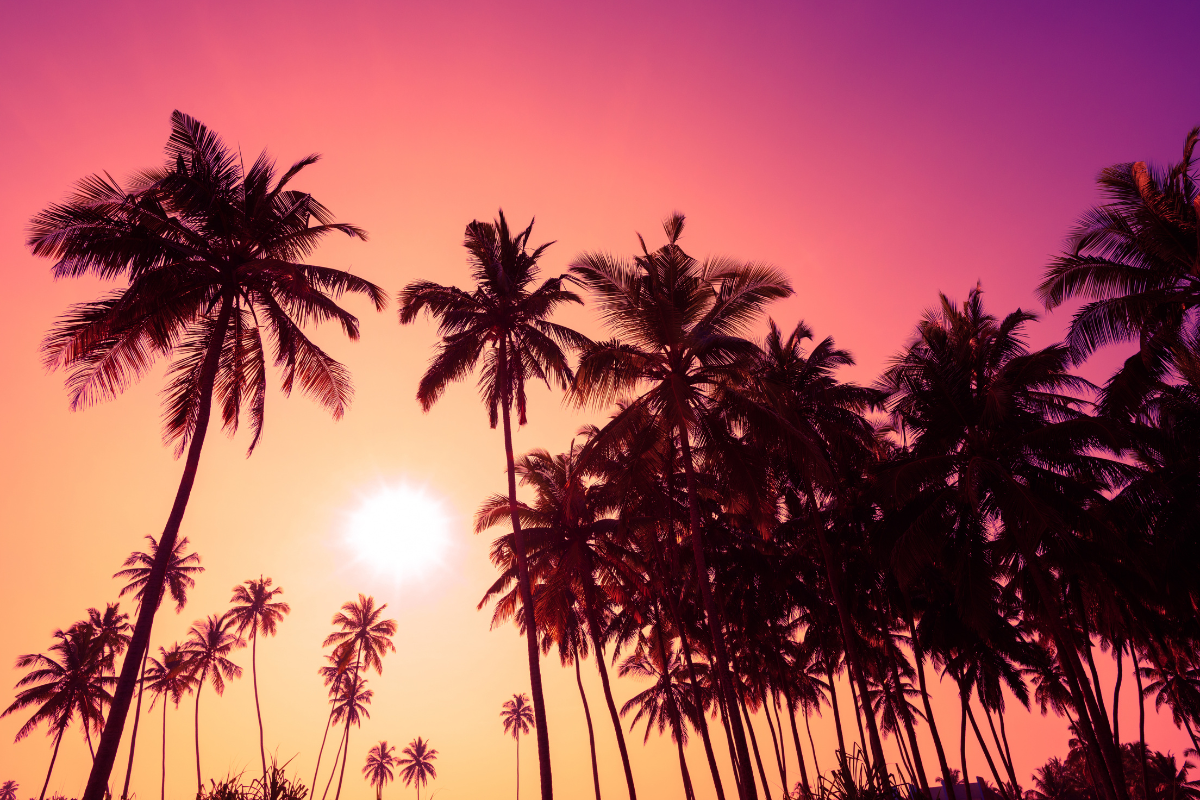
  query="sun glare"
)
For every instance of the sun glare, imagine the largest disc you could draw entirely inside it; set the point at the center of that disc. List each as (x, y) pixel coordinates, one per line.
(401, 531)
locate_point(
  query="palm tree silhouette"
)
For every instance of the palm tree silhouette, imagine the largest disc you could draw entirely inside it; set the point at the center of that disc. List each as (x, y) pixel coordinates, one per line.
(256, 610)
(368, 637)
(680, 322)
(418, 764)
(179, 578)
(8, 790)
(71, 680)
(505, 322)
(378, 769)
(350, 704)
(207, 649)
(167, 678)
(212, 254)
(518, 717)
(335, 673)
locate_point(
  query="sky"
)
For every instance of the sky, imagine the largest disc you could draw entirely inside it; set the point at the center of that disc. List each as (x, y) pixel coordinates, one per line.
(878, 153)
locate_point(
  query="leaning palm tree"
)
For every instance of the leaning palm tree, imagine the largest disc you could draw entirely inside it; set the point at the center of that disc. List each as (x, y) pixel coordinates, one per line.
(418, 764)
(209, 644)
(518, 716)
(505, 322)
(70, 680)
(256, 610)
(378, 769)
(178, 579)
(680, 324)
(167, 678)
(350, 703)
(366, 635)
(335, 674)
(212, 254)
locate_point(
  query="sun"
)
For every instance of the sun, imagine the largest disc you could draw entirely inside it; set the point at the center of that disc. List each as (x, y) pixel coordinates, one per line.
(402, 531)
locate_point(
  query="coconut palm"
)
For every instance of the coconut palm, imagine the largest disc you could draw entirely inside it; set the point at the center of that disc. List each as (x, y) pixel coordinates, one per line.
(368, 637)
(209, 643)
(8, 790)
(256, 610)
(418, 764)
(679, 323)
(350, 704)
(505, 322)
(179, 578)
(70, 680)
(518, 717)
(378, 769)
(167, 678)
(211, 255)
(334, 673)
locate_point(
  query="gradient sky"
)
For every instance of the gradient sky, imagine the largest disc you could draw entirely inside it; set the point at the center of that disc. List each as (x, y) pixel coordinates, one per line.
(877, 152)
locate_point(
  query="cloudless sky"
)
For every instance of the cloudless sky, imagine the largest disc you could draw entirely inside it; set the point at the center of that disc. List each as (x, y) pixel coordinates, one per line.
(877, 152)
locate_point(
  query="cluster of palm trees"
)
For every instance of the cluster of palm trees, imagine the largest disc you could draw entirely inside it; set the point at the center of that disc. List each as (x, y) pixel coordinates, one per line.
(745, 526)
(415, 762)
(1068, 778)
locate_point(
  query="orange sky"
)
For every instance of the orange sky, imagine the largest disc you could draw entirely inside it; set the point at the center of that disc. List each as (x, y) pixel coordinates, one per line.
(876, 153)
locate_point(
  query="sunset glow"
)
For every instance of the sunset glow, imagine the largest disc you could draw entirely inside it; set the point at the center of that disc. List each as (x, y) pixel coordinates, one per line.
(400, 531)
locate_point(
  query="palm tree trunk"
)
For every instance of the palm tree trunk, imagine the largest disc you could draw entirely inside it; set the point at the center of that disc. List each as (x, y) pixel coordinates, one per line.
(518, 765)
(345, 758)
(1005, 758)
(53, 758)
(723, 712)
(591, 733)
(862, 737)
(919, 657)
(909, 728)
(598, 650)
(986, 752)
(762, 773)
(336, 756)
(163, 787)
(837, 722)
(1137, 673)
(1007, 749)
(962, 748)
(1116, 704)
(524, 587)
(328, 723)
(199, 780)
(137, 718)
(782, 746)
(804, 785)
(88, 737)
(262, 749)
(720, 653)
(110, 739)
(812, 746)
(688, 792)
(776, 743)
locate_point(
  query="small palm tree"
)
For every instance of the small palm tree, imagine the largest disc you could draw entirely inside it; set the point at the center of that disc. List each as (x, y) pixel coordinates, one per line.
(378, 769)
(505, 322)
(8, 790)
(256, 610)
(181, 569)
(418, 764)
(207, 649)
(350, 704)
(167, 678)
(335, 673)
(518, 717)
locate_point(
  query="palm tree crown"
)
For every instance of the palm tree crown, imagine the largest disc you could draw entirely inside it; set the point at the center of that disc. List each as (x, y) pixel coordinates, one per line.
(418, 764)
(378, 769)
(517, 715)
(181, 571)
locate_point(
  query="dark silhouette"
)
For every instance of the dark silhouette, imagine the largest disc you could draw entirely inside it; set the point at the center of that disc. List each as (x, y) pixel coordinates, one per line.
(167, 678)
(517, 715)
(418, 766)
(378, 769)
(207, 649)
(256, 610)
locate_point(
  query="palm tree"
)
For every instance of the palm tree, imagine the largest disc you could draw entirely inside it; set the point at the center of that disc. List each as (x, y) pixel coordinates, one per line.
(378, 769)
(349, 704)
(335, 673)
(211, 254)
(505, 322)
(8, 790)
(418, 764)
(518, 716)
(207, 649)
(71, 680)
(369, 637)
(681, 323)
(1134, 260)
(178, 579)
(167, 678)
(256, 610)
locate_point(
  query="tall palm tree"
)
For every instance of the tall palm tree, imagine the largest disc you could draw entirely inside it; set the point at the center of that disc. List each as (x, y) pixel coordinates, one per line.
(212, 254)
(351, 704)
(178, 579)
(167, 678)
(335, 674)
(70, 680)
(518, 717)
(366, 635)
(418, 764)
(378, 769)
(255, 609)
(680, 324)
(209, 643)
(505, 322)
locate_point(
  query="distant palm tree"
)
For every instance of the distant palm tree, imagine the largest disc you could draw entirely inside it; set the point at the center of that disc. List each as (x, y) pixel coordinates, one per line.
(71, 680)
(518, 717)
(349, 704)
(167, 678)
(418, 764)
(181, 568)
(8, 790)
(211, 255)
(505, 322)
(378, 769)
(255, 609)
(334, 674)
(207, 649)
(369, 637)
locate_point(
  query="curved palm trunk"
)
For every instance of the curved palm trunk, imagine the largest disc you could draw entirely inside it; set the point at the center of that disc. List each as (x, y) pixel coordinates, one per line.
(962, 748)
(525, 588)
(336, 756)
(688, 792)
(162, 789)
(1005, 758)
(918, 764)
(1116, 705)
(862, 737)
(837, 722)
(1137, 673)
(110, 740)
(137, 718)
(919, 657)
(762, 773)
(88, 737)
(591, 733)
(199, 780)
(262, 750)
(777, 743)
(720, 653)
(598, 649)
(812, 746)
(986, 751)
(317, 771)
(804, 785)
(53, 758)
